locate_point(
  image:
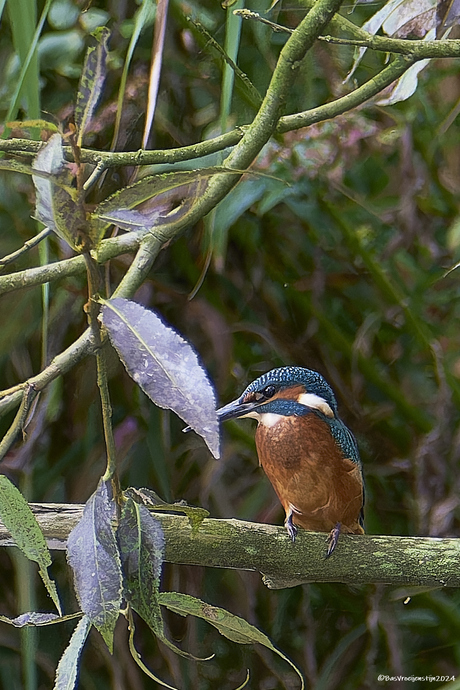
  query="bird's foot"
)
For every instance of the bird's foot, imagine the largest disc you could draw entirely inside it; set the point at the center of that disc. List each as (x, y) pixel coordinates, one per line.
(333, 539)
(291, 528)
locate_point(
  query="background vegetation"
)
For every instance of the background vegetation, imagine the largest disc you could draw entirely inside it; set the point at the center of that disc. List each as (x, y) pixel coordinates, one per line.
(338, 262)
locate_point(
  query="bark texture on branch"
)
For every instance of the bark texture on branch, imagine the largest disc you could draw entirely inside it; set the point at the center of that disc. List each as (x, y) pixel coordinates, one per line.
(408, 561)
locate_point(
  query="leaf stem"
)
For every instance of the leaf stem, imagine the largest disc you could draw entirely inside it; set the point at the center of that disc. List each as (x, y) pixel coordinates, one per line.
(92, 308)
(102, 382)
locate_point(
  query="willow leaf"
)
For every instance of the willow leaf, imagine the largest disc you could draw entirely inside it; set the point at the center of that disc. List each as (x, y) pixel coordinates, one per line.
(231, 626)
(21, 523)
(164, 365)
(93, 555)
(91, 81)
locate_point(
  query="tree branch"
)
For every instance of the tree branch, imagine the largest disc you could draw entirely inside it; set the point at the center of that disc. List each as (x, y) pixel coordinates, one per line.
(254, 137)
(351, 100)
(415, 48)
(241, 545)
(112, 159)
(287, 123)
(60, 365)
(108, 249)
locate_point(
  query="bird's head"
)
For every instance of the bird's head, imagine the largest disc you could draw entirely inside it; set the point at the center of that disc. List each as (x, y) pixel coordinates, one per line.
(285, 391)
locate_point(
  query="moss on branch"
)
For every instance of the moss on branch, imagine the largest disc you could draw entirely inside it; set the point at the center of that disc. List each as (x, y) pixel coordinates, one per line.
(241, 545)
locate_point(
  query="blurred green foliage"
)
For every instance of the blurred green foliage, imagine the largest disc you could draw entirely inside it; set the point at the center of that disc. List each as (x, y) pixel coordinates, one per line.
(337, 261)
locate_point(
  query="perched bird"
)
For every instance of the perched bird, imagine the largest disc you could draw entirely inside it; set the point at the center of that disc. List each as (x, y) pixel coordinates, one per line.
(308, 454)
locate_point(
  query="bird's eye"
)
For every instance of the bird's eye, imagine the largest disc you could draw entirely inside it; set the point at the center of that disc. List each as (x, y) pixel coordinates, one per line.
(269, 391)
(264, 394)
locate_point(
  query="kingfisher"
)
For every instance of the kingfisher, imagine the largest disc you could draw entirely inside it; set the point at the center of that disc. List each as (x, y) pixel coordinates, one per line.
(310, 457)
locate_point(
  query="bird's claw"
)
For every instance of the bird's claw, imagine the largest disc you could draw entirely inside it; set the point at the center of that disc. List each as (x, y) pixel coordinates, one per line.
(333, 539)
(290, 527)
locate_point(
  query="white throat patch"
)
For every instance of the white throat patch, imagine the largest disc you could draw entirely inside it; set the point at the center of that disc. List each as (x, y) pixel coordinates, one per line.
(316, 402)
(265, 418)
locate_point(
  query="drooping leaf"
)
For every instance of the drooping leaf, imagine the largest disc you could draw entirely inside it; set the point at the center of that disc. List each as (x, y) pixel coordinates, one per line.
(91, 81)
(164, 365)
(25, 530)
(141, 542)
(93, 555)
(195, 514)
(137, 657)
(405, 86)
(50, 159)
(231, 626)
(67, 670)
(58, 207)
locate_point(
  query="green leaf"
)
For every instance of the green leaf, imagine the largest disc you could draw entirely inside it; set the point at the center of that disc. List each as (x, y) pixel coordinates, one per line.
(25, 530)
(92, 553)
(141, 19)
(137, 657)
(67, 670)
(17, 166)
(233, 627)
(33, 124)
(195, 514)
(91, 82)
(248, 89)
(154, 200)
(147, 497)
(141, 542)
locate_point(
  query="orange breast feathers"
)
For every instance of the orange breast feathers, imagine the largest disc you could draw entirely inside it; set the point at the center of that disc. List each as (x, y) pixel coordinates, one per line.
(309, 474)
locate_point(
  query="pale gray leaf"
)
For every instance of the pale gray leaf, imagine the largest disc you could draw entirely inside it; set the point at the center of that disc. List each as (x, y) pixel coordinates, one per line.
(405, 86)
(33, 618)
(164, 365)
(67, 670)
(92, 552)
(50, 159)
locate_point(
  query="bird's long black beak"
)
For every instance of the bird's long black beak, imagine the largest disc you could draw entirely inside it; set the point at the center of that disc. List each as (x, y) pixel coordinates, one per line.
(235, 409)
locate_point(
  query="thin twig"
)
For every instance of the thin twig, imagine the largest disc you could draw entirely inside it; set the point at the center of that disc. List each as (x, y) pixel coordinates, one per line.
(248, 14)
(28, 394)
(102, 382)
(108, 249)
(416, 48)
(29, 244)
(95, 175)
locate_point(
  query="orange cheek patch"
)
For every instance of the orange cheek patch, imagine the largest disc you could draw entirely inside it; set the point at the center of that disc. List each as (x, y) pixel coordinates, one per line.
(250, 397)
(291, 393)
